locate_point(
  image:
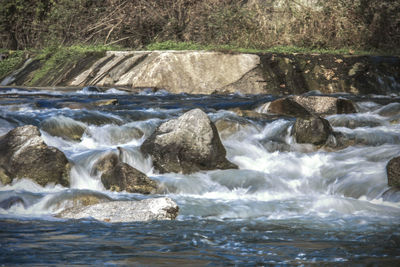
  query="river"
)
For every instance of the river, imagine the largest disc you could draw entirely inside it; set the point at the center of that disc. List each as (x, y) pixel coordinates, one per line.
(287, 203)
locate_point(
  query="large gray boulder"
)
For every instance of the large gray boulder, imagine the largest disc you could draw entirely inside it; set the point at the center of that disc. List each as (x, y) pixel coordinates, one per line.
(119, 176)
(196, 72)
(24, 154)
(187, 144)
(312, 130)
(126, 211)
(393, 172)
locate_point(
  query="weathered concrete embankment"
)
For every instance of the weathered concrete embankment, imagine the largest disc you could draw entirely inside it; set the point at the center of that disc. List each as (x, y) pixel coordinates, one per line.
(208, 72)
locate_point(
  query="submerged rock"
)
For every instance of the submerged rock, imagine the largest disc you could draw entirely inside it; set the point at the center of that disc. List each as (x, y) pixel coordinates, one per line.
(119, 176)
(126, 211)
(11, 201)
(389, 110)
(187, 144)
(228, 127)
(25, 154)
(352, 122)
(393, 172)
(64, 127)
(312, 130)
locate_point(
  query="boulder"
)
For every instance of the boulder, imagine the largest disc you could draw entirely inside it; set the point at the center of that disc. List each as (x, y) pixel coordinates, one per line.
(125, 177)
(187, 144)
(63, 127)
(393, 172)
(312, 130)
(325, 105)
(286, 107)
(304, 106)
(105, 163)
(199, 72)
(119, 176)
(126, 211)
(23, 153)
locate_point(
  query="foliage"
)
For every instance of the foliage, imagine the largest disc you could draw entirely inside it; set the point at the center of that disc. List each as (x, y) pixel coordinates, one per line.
(256, 24)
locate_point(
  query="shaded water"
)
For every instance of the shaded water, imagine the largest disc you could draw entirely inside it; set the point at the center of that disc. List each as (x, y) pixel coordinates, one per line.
(286, 204)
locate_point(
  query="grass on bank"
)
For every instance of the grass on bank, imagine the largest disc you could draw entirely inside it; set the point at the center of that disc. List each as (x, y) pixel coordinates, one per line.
(171, 45)
(57, 58)
(52, 58)
(13, 60)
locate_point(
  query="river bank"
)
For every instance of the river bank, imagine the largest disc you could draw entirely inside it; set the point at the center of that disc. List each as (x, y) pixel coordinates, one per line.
(207, 72)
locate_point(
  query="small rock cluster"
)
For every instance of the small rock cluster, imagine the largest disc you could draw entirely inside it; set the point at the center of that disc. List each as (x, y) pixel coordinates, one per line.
(187, 144)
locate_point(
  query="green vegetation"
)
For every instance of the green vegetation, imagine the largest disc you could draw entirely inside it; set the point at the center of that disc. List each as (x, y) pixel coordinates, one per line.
(13, 60)
(257, 25)
(61, 59)
(172, 45)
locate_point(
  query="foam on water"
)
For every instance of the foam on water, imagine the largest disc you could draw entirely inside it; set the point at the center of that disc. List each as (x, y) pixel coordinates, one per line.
(277, 178)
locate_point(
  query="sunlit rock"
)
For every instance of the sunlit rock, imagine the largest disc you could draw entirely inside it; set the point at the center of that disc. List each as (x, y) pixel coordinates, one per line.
(187, 144)
(64, 127)
(126, 211)
(393, 172)
(24, 154)
(196, 72)
(105, 102)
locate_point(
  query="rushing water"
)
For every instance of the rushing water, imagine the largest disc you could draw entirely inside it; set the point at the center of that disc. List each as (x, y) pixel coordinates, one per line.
(286, 204)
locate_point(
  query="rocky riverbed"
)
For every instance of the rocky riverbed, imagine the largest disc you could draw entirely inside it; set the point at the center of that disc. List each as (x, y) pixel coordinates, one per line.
(151, 177)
